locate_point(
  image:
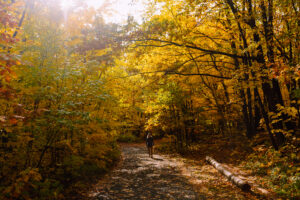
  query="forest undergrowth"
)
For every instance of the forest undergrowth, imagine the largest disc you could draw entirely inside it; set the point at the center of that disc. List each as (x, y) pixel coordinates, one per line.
(276, 171)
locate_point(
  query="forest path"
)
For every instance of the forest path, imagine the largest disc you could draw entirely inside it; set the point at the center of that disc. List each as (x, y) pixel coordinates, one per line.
(163, 177)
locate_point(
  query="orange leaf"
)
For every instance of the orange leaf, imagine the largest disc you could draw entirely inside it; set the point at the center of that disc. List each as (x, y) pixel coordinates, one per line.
(13, 121)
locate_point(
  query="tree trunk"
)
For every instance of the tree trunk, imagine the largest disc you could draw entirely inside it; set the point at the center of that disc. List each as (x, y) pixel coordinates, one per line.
(266, 118)
(251, 118)
(257, 112)
(234, 179)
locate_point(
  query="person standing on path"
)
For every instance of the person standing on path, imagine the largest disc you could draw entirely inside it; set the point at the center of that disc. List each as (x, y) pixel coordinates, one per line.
(150, 144)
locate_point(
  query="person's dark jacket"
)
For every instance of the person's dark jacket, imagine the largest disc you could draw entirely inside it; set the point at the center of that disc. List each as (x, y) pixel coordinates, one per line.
(149, 141)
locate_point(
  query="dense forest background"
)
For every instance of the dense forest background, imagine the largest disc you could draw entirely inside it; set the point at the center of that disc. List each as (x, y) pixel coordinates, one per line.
(222, 73)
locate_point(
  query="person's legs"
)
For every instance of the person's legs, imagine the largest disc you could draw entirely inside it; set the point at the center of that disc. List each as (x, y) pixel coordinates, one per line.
(151, 151)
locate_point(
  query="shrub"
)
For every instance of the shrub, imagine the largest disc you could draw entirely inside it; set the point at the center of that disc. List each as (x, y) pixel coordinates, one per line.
(166, 145)
(51, 182)
(279, 170)
(128, 138)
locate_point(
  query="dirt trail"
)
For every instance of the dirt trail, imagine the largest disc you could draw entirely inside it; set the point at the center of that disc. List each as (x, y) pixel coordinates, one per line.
(163, 177)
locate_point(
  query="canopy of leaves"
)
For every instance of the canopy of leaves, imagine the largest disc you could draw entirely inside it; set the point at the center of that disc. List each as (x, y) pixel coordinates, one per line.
(71, 85)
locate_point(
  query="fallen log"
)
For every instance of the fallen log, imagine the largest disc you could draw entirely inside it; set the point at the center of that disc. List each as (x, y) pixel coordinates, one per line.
(234, 179)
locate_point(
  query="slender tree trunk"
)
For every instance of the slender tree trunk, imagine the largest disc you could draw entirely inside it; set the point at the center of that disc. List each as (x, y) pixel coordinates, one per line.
(245, 114)
(266, 118)
(257, 112)
(251, 118)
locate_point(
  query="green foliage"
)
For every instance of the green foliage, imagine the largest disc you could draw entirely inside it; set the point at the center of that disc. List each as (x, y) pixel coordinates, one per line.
(128, 138)
(27, 182)
(58, 118)
(166, 145)
(279, 169)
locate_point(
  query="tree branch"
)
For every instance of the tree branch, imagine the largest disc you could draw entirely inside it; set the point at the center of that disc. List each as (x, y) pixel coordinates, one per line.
(199, 74)
(166, 72)
(193, 47)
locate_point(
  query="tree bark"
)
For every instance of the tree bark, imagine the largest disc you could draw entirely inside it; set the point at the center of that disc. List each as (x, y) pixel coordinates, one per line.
(266, 118)
(234, 179)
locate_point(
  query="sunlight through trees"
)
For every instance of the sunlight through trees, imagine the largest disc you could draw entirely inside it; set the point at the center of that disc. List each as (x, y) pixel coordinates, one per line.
(73, 83)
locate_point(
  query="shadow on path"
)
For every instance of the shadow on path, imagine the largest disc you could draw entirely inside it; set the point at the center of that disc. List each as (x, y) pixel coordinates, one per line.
(141, 177)
(159, 159)
(165, 177)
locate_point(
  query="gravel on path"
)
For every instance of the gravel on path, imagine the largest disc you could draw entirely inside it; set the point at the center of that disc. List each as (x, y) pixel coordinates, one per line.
(141, 177)
(164, 177)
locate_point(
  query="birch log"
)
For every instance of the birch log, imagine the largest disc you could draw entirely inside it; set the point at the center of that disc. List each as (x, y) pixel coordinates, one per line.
(235, 180)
